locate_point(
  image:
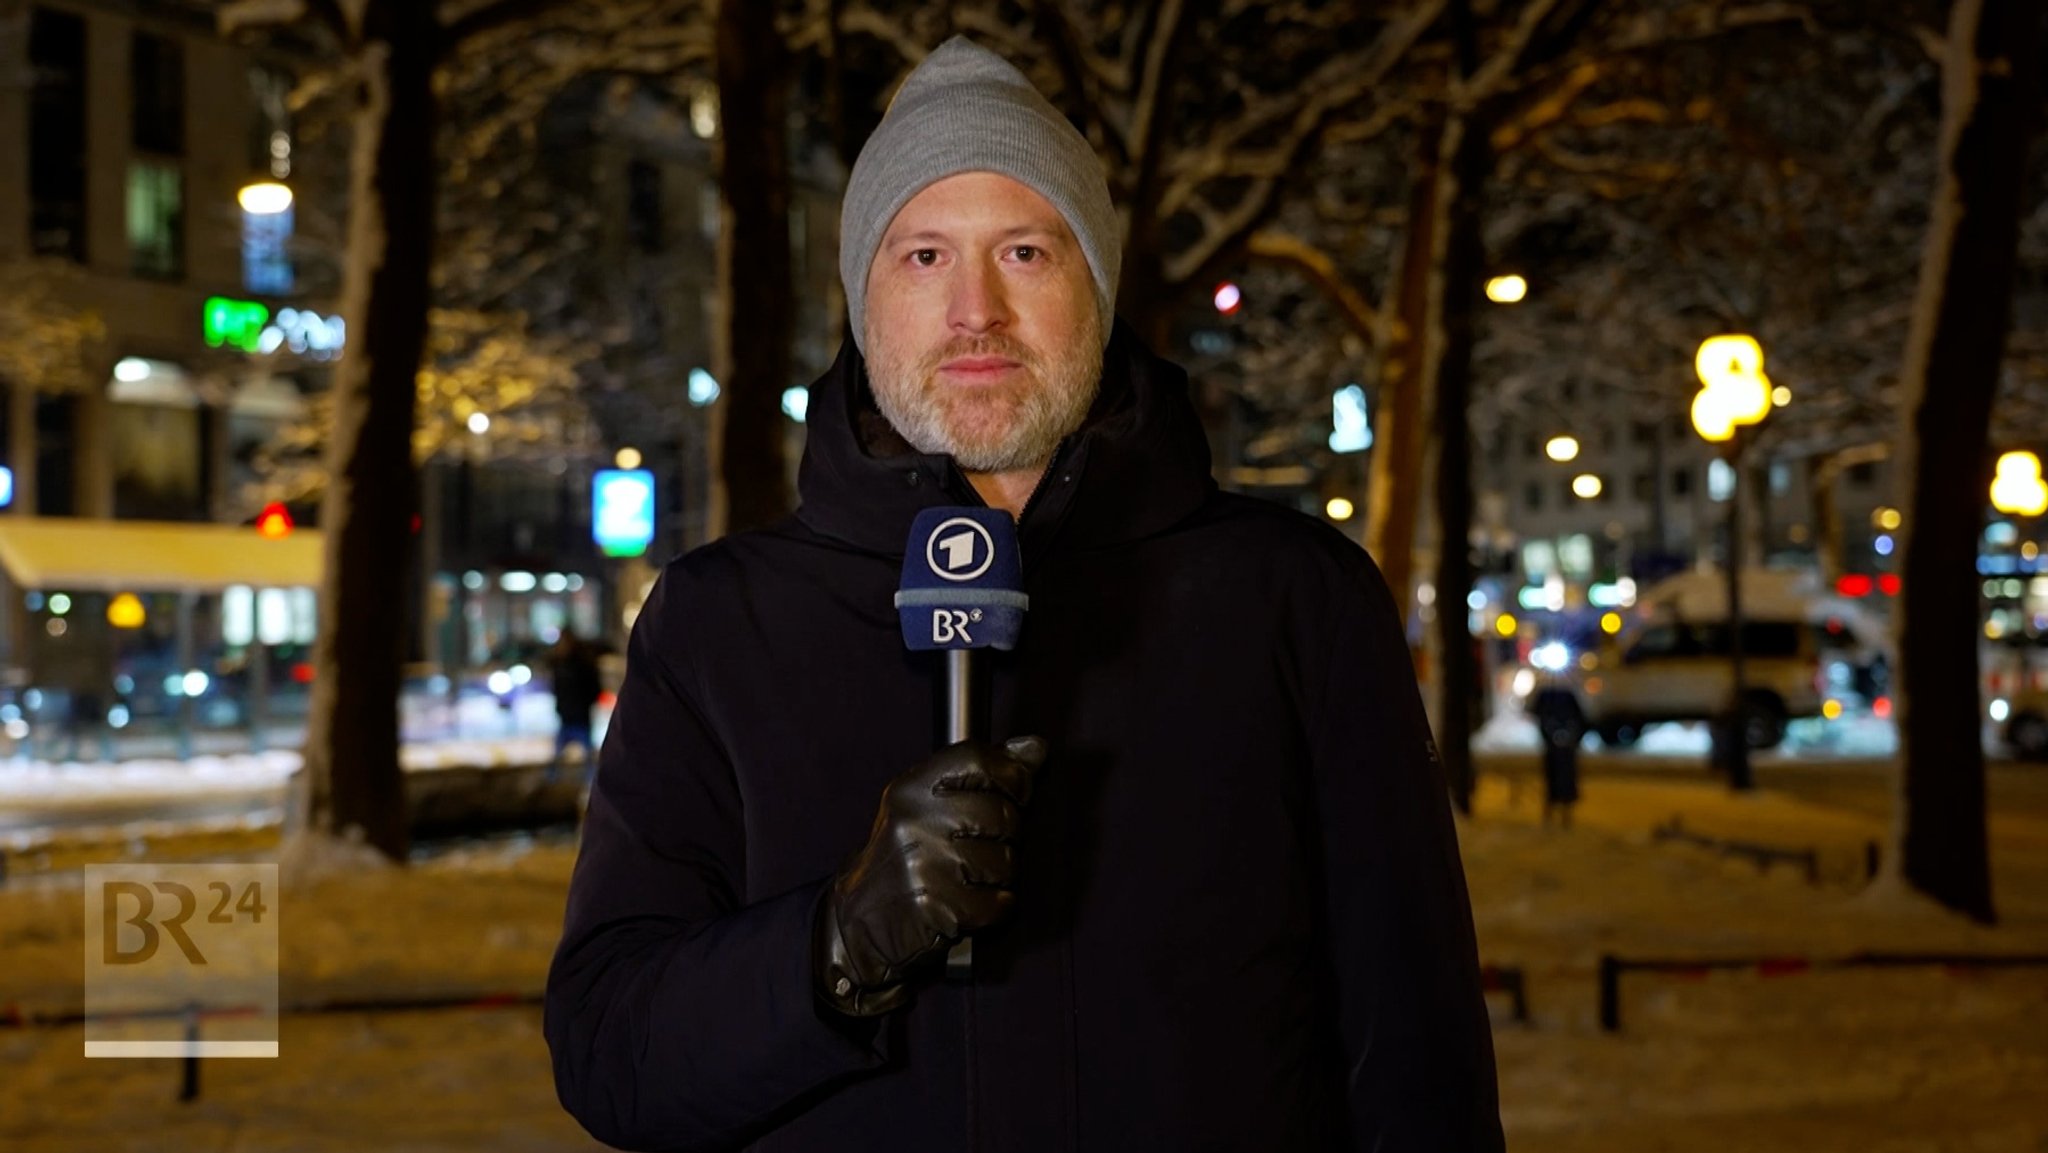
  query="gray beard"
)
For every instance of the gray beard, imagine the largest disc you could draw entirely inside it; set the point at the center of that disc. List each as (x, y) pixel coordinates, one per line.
(1051, 407)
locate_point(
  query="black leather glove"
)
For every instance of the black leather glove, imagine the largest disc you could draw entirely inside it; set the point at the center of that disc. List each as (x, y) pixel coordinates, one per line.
(937, 866)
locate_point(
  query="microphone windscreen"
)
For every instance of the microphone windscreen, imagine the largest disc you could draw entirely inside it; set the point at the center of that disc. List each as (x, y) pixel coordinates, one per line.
(963, 581)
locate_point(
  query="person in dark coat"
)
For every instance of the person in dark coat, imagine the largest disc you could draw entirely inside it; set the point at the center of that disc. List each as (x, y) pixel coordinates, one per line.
(1207, 864)
(572, 675)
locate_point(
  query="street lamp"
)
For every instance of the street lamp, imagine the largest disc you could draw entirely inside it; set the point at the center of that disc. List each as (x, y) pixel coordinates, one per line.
(1507, 289)
(2018, 489)
(1562, 448)
(265, 198)
(1736, 395)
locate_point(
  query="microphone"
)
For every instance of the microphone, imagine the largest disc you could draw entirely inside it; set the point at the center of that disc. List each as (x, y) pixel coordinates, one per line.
(962, 589)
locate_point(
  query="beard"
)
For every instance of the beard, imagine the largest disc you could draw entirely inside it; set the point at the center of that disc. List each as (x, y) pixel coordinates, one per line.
(1007, 427)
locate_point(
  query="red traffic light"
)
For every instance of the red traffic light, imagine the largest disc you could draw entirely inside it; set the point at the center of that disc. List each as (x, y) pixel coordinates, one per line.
(274, 522)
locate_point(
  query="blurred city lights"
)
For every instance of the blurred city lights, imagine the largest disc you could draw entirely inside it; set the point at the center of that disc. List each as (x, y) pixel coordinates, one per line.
(195, 683)
(1505, 625)
(1736, 391)
(1586, 486)
(628, 457)
(703, 388)
(1228, 297)
(60, 604)
(1507, 289)
(1339, 508)
(2000, 710)
(479, 423)
(125, 612)
(1551, 656)
(500, 682)
(796, 403)
(2019, 490)
(130, 369)
(1888, 519)
(1883, 545)
(1351, 426)
(1781, 396)
(1831, 709)
(274, 522)
(266, 198)
(1562, 448)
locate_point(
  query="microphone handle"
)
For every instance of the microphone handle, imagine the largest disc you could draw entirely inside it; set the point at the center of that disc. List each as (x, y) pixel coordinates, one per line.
(959, 727)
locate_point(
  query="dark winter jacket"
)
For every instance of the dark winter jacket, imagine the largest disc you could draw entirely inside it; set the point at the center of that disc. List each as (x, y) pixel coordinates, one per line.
(1241, 920)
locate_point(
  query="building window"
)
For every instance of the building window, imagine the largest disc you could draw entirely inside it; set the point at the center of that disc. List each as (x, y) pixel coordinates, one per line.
(1644, 487)
(643, 206)
(57, 106)
(1645, 433)
(1532, 496)
(1862, 474)
(1681, 481)
(157, 74)
(1569, 393)
(1530, 447)
(156, 219)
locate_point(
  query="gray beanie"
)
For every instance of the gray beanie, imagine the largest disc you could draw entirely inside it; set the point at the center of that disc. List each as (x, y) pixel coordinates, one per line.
(965, 109)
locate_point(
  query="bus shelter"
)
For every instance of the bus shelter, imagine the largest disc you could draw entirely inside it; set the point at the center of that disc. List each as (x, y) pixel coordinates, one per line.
(149, 635)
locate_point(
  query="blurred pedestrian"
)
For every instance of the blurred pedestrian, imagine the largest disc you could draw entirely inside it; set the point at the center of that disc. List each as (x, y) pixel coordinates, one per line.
(1560, 773)
(572, 672)
(1234, 916)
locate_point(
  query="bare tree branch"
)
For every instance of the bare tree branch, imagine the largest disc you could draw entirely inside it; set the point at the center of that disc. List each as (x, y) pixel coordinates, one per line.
(487, 18)
(1311, 261)
(253, 15)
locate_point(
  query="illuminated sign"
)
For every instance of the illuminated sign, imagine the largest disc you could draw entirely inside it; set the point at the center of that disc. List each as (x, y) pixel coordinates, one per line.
(234, 323)
(622, 502)
(247, 325)
(1351, 428)
(6, 487)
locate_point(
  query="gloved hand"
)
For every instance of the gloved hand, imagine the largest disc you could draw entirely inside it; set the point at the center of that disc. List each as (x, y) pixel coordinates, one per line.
(937, 866)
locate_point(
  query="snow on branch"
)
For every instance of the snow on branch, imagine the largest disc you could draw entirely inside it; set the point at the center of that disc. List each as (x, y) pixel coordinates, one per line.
(238, 16)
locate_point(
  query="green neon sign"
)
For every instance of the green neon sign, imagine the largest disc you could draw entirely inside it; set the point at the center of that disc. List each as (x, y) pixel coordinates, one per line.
(235, 322)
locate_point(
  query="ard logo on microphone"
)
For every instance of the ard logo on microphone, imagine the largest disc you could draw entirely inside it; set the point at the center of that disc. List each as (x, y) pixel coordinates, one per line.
(959, 550)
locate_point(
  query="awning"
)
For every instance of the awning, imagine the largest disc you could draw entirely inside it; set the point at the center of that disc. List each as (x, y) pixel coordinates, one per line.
(62, 553)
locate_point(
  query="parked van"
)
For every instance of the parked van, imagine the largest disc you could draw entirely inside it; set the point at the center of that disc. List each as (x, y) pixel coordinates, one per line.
(1671, 662)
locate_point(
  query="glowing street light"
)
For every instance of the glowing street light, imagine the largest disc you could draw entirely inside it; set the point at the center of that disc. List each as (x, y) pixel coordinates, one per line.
(1339, 508)
(1507, 289)
(1228, 297)
(479, 423)
(266, 198)
(627, 458)
(2018, 489)
(1586, 486)
(1736, 393)
(1562, 448)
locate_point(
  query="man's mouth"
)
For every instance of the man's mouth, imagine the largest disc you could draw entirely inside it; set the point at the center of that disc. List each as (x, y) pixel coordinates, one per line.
(979, 367)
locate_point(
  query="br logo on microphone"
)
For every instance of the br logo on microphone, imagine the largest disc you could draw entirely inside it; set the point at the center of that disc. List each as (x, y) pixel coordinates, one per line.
(959, 550)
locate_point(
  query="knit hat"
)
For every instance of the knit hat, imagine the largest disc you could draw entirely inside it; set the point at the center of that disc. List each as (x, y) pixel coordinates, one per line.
(965, 109)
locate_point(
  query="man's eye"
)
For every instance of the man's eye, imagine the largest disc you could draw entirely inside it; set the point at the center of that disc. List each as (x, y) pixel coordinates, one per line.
(925, 257)
(1027, 253)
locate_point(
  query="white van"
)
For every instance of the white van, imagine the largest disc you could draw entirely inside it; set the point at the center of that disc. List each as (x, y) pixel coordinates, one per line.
(1801, 649)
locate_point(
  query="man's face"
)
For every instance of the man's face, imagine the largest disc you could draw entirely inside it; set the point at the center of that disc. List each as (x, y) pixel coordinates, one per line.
(983, 341)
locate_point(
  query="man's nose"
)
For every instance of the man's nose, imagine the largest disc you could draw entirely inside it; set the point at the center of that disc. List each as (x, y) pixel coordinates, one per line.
(979, 303)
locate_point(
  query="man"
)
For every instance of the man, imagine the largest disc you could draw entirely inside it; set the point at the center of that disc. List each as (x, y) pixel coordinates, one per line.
(573, 675)
(1211, 877)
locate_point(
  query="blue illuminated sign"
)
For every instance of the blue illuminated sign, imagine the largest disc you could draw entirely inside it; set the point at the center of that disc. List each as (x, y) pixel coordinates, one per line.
(622, 503)
(6, 487)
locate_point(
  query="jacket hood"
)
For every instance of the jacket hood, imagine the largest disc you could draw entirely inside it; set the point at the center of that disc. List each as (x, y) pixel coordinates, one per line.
(1138, 465)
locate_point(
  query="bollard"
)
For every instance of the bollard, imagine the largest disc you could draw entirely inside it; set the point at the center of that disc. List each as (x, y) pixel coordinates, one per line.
(189, 1091)
(1610, 992)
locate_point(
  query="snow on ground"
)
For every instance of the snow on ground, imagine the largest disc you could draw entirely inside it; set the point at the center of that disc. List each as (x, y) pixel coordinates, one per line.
(1509, 730)
(1855, 1061)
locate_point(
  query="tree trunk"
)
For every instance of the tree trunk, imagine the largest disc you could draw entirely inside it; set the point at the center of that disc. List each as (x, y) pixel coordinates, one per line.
(352, 763)
(1822, 484)
(1989, 100)
(1394, 489)
(1461, 259)
(753, 262)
